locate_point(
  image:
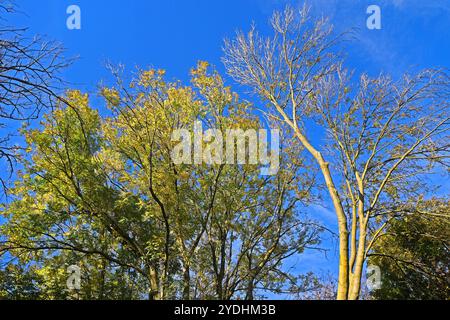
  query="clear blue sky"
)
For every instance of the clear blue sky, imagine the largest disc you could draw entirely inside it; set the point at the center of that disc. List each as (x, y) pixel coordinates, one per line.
(174, 34)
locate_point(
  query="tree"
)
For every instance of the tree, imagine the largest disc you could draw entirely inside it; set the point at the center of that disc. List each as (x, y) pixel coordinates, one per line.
(382, 135)
(413, 254)
(18, 283)
(29, 70)
(219, 215)
(103, 193)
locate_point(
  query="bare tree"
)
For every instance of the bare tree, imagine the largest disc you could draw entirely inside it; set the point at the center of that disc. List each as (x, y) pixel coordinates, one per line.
(383, 135)
(29, 69)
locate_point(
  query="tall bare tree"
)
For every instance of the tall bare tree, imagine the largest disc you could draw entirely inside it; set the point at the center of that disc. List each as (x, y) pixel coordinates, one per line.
(382, 135)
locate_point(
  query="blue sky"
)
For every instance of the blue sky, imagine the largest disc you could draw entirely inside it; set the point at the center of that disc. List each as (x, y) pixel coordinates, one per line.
(173, 35)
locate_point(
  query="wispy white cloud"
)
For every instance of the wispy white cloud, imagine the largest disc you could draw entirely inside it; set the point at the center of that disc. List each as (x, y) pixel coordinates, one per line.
(322, 213)
(419, 5)
(387, 49)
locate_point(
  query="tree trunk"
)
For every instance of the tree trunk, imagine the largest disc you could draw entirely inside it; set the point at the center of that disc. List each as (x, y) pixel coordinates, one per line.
(153, 292)
(343, 280)
(355, 285)
(186, 283)
(250, 289)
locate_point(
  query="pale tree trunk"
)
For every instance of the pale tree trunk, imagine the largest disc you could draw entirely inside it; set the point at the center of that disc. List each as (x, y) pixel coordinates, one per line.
(358, 255)
(355, 283)
(343, 280)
